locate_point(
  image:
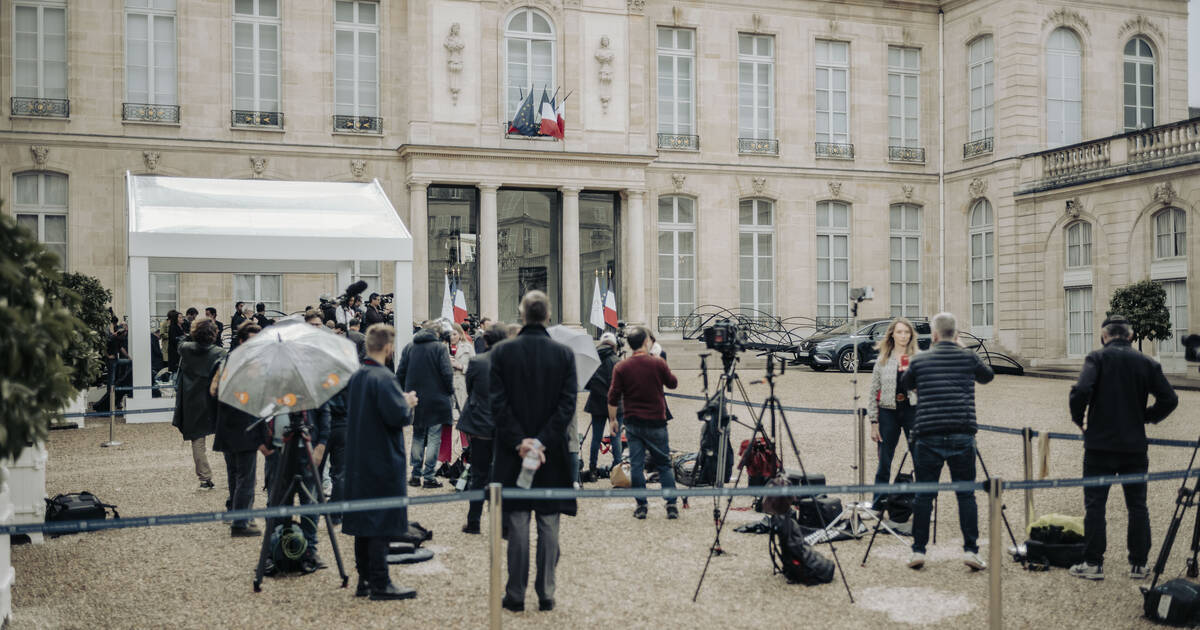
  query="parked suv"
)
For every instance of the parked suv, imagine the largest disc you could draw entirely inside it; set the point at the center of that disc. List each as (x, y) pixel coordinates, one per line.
(835, 347)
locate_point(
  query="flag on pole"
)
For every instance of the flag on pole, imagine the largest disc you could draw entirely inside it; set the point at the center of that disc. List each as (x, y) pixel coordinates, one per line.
(525, 121)
(597, 317)
(610, 307)
(549, 126)
(447, 300)
(562, 123)
(460, 304)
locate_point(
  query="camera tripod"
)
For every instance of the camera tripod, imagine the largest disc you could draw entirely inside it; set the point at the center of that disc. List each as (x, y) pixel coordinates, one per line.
(773, 406)
(286, 484)
(1184, 499)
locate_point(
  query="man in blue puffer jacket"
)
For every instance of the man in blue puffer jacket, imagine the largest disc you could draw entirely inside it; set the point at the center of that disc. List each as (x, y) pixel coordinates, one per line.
(944, 431)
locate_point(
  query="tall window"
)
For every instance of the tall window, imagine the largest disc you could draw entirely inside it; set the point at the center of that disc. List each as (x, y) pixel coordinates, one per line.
(1139, 84)
(164, 294)
(1079, 321)
(356, 59)
(1079, 245)
(677, 256)
(150, 52)
(368, 271)
(529, 56)
(904, 111)
(256, 55)
(1170, 234)
(676, 81)
(756, 86)
(756, 255)
(905, 258)
(982, 268)
(1064, 106)
(253, 288)
(40, 49)
(1177, 305)
(980, 77)
(833, 259)
(833, 92)
(41, 207)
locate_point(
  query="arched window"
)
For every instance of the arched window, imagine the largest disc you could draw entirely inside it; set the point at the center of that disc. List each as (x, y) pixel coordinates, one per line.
(41, 207)
(833, 259)
(1079, 245)
(1139, 84)
(756, 254)
(528, 56)
(1064, 107)
(982, 268)
(1170, 234)
(981, 78)
(676, 256)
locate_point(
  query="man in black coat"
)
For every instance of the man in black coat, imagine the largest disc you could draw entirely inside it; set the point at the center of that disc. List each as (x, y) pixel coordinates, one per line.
(597, 403)
(944, 431)
(240, 448)
(211, 313)
(533, 395)
(425, 369)
(377, 412)
(476, 420)
(375, 313)
(1112, 388)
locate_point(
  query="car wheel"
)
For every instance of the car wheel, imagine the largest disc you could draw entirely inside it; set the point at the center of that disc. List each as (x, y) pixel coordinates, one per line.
(819, 368)
(845, 360)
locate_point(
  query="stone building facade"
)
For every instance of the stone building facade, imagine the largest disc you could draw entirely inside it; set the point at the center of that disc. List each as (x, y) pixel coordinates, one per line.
(769, 155)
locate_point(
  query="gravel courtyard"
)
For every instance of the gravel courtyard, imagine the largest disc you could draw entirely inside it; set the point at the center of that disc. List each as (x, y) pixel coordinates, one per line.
(615, 571)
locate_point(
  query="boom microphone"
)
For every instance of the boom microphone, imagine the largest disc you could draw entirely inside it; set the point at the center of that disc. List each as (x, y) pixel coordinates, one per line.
(356, 288)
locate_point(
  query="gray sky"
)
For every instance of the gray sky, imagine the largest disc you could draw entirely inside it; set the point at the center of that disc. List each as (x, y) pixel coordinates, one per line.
(1194, 53)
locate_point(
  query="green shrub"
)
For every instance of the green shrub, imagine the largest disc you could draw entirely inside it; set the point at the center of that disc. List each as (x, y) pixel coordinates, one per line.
(1144, 304)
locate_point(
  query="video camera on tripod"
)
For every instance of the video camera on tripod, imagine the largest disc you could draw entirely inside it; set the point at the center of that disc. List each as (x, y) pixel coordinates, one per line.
(725, 337)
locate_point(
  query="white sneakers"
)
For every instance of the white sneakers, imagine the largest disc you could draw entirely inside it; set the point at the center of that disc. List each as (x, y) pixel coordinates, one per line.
(1087, 571)
(917, 560)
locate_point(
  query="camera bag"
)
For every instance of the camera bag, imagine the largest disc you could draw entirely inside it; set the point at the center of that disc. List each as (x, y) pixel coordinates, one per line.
(796, 478)
(1062, 555)
(818, 511)
(1175, 602)
(795, 558)
(78, 506)
(899, 506)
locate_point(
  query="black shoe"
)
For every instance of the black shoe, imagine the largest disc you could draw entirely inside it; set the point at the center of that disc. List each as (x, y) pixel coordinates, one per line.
(363, 589)
(672, 512)
(471, 528)
(392, 592)
(248, 531)
(512, 606)
(311, 563)
(639, 512)
(545, 604)
(207, 485)
(414, 482)
(431, 483)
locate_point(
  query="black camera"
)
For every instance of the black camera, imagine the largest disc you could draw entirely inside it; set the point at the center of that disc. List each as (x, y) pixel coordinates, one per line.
(725, 337)
(1192, 345)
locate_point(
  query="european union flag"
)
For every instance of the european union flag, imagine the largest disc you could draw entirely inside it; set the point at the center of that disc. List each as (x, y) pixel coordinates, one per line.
(526, 121)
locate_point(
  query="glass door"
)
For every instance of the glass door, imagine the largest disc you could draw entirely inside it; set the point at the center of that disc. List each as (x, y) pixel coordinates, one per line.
(528, 248)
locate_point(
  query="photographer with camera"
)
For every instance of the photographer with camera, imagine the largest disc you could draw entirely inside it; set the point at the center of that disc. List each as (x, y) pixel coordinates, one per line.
(638, 383)
(425, 369)
(1112, 388)
(375, 314)
(597, 404)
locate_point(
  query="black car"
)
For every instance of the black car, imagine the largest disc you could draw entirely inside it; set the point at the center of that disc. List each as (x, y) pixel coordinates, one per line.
(834, 347)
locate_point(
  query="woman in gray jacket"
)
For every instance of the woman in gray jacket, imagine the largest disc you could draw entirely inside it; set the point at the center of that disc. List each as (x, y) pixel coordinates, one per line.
(889, 409)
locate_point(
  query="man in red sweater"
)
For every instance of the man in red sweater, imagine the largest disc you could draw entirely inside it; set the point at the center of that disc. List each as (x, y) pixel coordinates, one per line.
(639, 381)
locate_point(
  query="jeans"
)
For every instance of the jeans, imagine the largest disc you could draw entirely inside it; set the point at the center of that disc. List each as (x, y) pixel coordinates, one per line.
(598, 425)
(307, 523)
(1095, 500)
(480, 473)
(425, 445)
(370, 560)
(240, 469)
(654, 439)
(957, 452)
(335, 454)
(891, 421)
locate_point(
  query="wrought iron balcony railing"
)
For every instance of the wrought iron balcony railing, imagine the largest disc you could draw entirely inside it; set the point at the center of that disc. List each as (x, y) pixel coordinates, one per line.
(756, 145)
(672, 323)
(358, 124)
(41, 107)
(144, 112)
(906, 154)
(977, 147)
(678, 142)
(835, 150)
(244, 118)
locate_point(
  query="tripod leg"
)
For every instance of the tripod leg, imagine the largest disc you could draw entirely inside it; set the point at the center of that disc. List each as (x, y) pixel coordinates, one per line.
(988, 477)
(1193, 571)
(279, 487)
(320, 498)
(879, 519)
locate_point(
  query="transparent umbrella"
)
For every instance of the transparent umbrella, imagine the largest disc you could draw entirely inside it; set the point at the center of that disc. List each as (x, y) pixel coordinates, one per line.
(584, 347)
(289, 366)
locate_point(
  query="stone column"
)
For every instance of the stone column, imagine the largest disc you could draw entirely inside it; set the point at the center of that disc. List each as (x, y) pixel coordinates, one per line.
(489, 255)
(570, 257)
(418, 221)
(634, 274)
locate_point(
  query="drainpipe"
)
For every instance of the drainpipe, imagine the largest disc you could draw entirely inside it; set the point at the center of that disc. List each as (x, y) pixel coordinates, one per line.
(941, 161)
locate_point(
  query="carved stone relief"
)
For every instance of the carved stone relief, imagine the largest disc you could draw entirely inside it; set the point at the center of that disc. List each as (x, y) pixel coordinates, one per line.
(1073, 208)
(1063, 16)
(907, 189)
(358, 168)
(835, 189)
(454, 61)
(677, 179)
(39, 154)
(759, 184)
(258, 165)
(1140, 24)
(977, 188)
(151, 160)
(1164, 193)
(604, 57)
(637, 7)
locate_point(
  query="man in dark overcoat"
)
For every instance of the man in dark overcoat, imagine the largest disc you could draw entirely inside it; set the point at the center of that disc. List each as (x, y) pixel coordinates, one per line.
(377, 412)
(425, 369)
(533, 392)
(476, 421)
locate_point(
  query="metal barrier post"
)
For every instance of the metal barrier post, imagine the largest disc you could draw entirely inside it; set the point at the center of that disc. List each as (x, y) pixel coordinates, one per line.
(1027, 454)
(995, 554)
(494, 546)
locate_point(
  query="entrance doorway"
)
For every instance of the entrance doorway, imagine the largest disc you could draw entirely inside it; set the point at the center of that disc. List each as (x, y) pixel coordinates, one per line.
(529, 249)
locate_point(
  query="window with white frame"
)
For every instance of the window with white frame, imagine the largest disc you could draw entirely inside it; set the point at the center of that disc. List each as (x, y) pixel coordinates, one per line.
(1177, 305)
(1079, 245)
(150, 68)
(253, 288)
(1079, 321)
(256, 29)
(904, 97)
(40, 202)
(676, 256)
(1139, 84)
(356, 58)
(905, 259)
(164, 294)
(756, 86)
(40, 49)
(833, 92)
(833, 259)
(756, 255)
(982, 255)
(981, 85)
(368, 271)
(676, 81)
(1170, 234)
(1064, 101)
(528, 56)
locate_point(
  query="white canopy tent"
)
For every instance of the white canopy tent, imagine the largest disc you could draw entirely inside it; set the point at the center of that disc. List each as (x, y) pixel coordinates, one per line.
(192, 225)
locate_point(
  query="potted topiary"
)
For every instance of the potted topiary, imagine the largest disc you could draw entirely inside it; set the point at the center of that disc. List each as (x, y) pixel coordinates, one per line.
(92, 309)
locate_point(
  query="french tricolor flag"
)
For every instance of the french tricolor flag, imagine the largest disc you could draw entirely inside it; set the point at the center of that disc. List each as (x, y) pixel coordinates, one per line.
(460, 304)
(610, 307)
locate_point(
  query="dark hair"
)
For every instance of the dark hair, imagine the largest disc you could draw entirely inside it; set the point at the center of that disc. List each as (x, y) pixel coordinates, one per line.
(1117, 330)
(535, 308)
(354, 321)
(495, 333)
(210, 311)
(637, 336)
(260, 307)
(247, 329)
(372, 297)
(238, 306)
(172, 315)
(204, 332)
(192, 312)
(310, 315)
(340, 326)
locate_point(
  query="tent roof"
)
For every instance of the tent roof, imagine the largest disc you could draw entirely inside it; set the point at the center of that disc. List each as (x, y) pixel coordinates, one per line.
(254, 219)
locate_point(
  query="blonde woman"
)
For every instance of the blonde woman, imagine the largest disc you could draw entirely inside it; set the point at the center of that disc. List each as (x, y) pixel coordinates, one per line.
(889, 409)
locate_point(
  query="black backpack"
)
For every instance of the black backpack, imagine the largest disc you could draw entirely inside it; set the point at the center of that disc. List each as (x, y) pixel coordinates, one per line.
(78, 506)
(899, 506)
(793, 557)
(1175, 602)
(288, 546)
